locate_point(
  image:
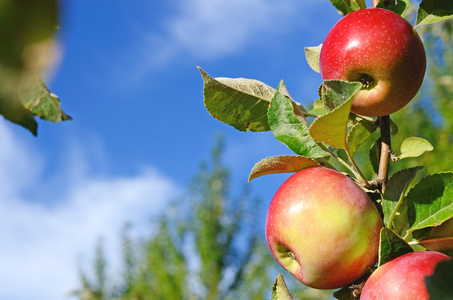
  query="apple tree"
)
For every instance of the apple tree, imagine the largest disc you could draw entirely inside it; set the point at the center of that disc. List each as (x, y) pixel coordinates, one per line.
(319, 227)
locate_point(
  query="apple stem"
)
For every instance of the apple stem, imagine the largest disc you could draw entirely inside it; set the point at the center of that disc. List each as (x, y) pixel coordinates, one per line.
(384, 124)
(351, 159)
(386, 2)
(353, 171)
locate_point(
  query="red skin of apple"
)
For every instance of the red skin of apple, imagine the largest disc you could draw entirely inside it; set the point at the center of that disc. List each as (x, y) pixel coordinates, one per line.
(402, 277)
(323, 228)
(376, 47)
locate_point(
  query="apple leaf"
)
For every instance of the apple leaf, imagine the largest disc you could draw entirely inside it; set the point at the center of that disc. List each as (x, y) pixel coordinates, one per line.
(393, 198)
(359, 133)
(280, 290)
(46, 105)
(439, 283)
(239, 102)
(438, 238)
(318, 108)
(290, 127)
(27, 29)
(281, 164)
(331, 128)
(345, 293)
(312, 55)
(12, 109)
(341, 7)
(431, 11)
(391, 246)
(400, 8)
(338, 92)
(414, 147)
(374, 155)
(430, 202)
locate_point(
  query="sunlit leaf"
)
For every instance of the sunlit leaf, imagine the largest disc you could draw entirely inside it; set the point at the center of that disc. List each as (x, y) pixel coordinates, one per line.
(280, 290)
(46, 105)
(430, 202)
(291, 128)
(281, 164)
(318, 108)
(239, 102)
(391, 246)
(414, 147)
(341, 6)
(331, 128)
(431, 11)
(358, 134)
(394, 197)
(312, 55)
(439, 238)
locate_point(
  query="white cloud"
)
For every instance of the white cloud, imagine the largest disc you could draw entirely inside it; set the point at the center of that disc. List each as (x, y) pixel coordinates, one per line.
(207, 29)
(43, 240)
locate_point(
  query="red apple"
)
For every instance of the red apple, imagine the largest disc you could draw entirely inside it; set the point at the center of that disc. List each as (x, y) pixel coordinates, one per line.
(323, 228)
(380, 49)
(403, 277)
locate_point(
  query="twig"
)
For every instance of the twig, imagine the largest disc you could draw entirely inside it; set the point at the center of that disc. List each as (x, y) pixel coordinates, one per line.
(385, 152)
(386, 2)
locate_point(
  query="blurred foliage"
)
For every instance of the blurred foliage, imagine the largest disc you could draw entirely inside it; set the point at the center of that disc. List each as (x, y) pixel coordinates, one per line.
(208, 246)
(28, 49)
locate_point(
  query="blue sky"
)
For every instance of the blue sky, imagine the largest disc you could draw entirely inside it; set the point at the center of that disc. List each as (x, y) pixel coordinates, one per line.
(128, 77)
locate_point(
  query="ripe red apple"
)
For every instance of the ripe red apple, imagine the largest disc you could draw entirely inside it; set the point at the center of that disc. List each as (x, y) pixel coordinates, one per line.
(403, 277)
(323, 228)
(380, 49)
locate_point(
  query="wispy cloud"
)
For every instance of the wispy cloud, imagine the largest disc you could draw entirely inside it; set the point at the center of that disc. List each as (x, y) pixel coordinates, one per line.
(208, 29)
(44, 240)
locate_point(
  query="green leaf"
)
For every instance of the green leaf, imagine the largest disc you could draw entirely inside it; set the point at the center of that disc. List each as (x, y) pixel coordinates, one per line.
(391, 246)
(439, 284)
(438, 238)
(239, 102)
(414, 147)
(281, 164)
(312, 55)
(280, 290)
(318, 108)
(13, 110)
(331, 128)
(374, 155)
(27, 29)
(341, 6)
(41, 102)
(431, 11)
(338, 92)
(400, 8)
(393, 198)
(358, 134)
(345, 293)
(290, 127)
(430, 202)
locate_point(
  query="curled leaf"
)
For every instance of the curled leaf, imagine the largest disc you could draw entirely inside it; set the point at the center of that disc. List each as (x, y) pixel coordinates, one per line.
(391, 246)
(414, 147)
(280, 290)
(281, 164)
(312, 55)
(239, 102)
